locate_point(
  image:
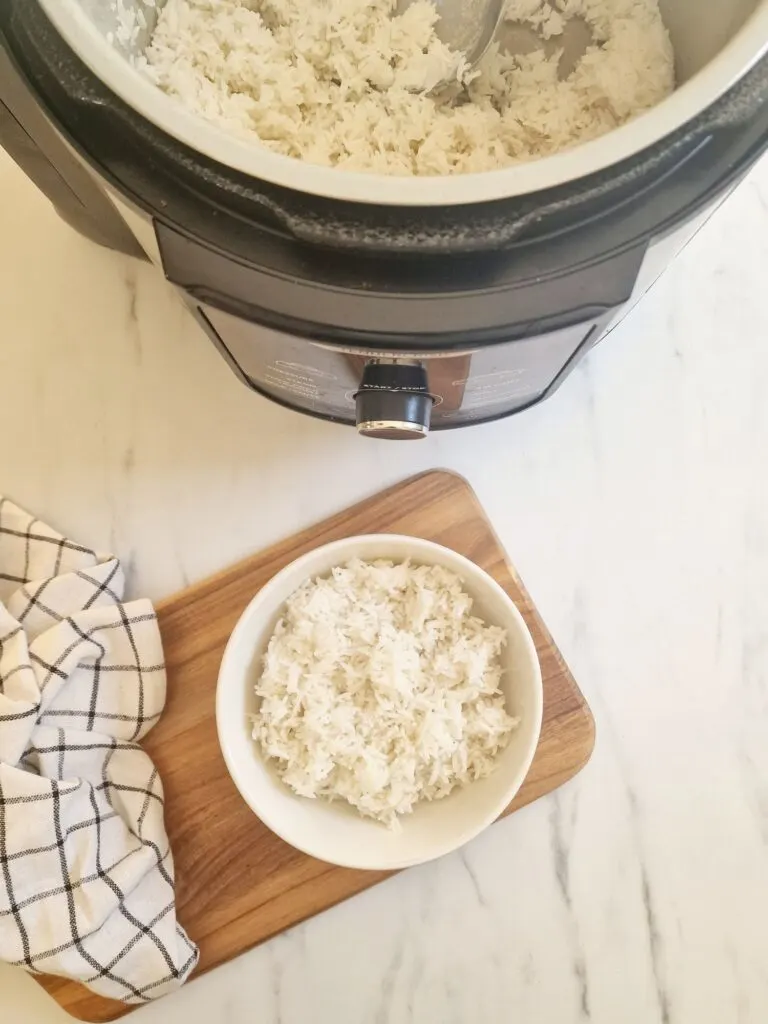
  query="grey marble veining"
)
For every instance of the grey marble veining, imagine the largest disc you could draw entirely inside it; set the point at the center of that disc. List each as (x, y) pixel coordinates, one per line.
(635, 505)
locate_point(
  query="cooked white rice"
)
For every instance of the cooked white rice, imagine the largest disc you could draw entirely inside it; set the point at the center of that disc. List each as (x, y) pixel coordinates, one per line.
(379, 687)
(344, 82)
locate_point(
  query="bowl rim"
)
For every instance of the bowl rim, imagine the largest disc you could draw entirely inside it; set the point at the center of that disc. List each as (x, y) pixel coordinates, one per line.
(225, 682)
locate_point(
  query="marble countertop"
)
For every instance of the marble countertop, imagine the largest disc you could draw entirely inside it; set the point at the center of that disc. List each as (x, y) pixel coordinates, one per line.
(635, 505)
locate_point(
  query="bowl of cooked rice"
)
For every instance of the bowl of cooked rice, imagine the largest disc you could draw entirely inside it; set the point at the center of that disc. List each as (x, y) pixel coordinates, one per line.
(379, 702)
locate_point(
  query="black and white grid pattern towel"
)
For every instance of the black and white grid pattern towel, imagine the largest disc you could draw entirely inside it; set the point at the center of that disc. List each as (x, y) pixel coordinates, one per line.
(86, 873)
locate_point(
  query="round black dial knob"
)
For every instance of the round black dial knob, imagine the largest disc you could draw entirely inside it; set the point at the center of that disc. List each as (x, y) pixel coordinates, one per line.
(393, 401)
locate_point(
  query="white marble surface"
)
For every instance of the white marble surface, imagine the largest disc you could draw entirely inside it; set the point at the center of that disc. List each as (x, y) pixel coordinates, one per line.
(635, 505)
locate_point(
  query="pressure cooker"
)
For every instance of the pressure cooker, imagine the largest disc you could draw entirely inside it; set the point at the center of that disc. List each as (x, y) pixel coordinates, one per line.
(392, 303)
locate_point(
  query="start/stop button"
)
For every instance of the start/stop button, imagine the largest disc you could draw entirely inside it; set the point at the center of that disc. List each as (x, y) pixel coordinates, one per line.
(393, 401)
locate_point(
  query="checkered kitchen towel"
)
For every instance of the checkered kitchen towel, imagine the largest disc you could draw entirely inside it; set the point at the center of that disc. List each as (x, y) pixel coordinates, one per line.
(86, 872)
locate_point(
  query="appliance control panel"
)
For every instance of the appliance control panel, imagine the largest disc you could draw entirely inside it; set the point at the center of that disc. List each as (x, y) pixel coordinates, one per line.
(387, 395)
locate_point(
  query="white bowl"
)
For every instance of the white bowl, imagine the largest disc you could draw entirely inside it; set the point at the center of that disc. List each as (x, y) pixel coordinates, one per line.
(334, 832)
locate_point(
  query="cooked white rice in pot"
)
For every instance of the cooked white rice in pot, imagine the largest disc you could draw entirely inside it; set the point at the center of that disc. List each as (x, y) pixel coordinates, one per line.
(345, 83)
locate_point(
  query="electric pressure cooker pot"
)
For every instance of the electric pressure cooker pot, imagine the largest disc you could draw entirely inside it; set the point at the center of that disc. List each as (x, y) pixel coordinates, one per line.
(397, 304)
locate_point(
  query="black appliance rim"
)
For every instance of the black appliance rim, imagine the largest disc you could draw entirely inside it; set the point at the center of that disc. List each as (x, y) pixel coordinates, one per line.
(84, 107)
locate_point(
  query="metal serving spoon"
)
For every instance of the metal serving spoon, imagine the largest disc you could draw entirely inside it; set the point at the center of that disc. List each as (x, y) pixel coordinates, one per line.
(467, 26)
(470, 26)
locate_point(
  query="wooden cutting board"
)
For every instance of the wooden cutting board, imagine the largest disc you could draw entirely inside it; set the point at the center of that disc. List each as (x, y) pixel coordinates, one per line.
(237, 883)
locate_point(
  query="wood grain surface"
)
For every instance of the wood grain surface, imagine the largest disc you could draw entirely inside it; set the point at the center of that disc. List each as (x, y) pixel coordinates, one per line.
(237, 883)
